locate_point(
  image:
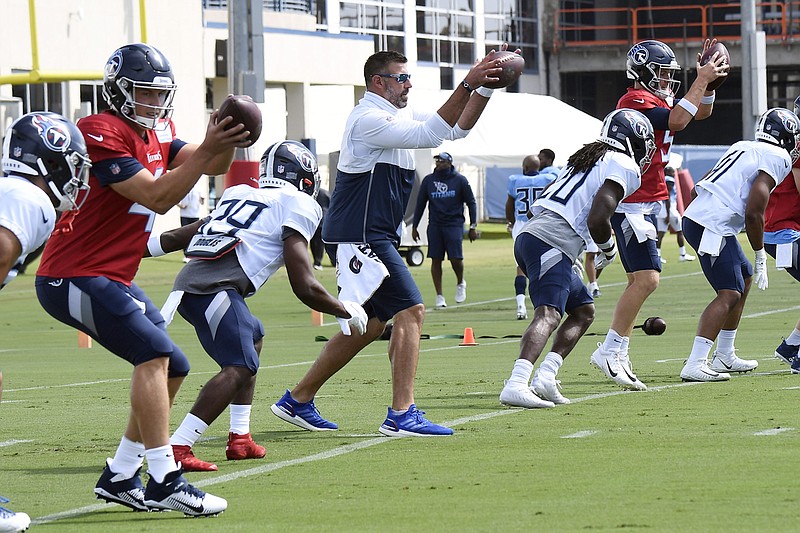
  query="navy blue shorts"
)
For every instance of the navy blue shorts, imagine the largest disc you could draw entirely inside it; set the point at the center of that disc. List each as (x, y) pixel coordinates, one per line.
(225, 326)
(398, 292)
(725, 271)
(121, 318)
(794, 269)
(448, 239)
(634, 255)
(552, 280)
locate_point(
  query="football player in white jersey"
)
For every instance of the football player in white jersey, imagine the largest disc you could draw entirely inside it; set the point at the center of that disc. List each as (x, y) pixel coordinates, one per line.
(251, 233)
(46, 166)
(575, 208)
(731, 197)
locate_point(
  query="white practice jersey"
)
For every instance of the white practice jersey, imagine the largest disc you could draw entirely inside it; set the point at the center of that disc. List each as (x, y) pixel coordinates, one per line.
(722, 194)
(27, 212)
(258, 218)
(571, 197)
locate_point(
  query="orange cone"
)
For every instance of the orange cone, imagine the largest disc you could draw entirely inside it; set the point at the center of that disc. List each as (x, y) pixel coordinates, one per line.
(317, 318)
(469, 338)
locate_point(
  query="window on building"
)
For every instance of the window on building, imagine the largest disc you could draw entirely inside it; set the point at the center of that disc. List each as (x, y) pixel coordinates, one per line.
(40, 97)
(93, 93)
(381, 19)
(445, 31)
(514, 22)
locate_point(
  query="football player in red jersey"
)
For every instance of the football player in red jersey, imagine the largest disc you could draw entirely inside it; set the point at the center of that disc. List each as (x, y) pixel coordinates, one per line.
(85, 279)
(782, 242)
(652, 66)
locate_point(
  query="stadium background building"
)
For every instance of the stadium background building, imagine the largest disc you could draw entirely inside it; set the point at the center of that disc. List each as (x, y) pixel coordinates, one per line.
(54, 51)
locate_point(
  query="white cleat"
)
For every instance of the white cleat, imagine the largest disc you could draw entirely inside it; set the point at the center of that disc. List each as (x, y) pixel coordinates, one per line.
(728, 362)
(608, 363)
(548, 387)
(522, 313)
(461, 292)
(440, 302)
(687, 257)
(517, 395)
(699, 371)
(625, 363)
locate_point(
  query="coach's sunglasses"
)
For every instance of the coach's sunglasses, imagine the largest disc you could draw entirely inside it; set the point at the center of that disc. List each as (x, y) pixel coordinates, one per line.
(401, 78)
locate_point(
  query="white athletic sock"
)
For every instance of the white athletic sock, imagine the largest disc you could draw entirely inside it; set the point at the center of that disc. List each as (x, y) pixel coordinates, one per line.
(613, 341)
(794, 338)
(128, 458)
(552, 362)
(725, 340)
(521, 374)
(682, 250)
(240, 419)
(623, 346)
(191, 429)
(700, 350)
(160, 462)
(520, 300)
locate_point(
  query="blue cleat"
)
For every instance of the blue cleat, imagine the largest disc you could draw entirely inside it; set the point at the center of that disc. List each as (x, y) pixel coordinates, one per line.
(11, 521)
(116, 488)
(176, 494)
(304, 415)
(786, 352)
(796, 365)
(411, 424)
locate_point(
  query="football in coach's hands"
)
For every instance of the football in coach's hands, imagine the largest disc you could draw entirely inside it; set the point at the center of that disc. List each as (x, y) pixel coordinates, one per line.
(512, 65)
(244, 111)
(706, 57)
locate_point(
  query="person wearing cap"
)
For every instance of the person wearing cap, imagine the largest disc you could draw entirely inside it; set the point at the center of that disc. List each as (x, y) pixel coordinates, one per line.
(445, 191)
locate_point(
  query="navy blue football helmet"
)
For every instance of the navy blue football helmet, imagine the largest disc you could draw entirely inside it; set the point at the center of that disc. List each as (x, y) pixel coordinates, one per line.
(289, 163)
(135, 67)
(630, 132)
(653, 65)
(780, 127)
(48, 145)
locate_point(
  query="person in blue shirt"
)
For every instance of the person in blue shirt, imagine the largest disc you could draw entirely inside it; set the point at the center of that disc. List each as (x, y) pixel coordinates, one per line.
(523, 189)
(445, 192)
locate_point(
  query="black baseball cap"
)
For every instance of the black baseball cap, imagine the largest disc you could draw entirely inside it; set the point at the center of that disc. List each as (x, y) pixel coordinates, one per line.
(445, 156)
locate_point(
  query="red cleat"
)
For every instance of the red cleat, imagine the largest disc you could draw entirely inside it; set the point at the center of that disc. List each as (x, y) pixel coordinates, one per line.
(190, 463)
(243, 447)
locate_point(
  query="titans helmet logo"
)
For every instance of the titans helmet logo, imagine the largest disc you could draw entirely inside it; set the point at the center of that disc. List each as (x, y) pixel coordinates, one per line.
(639, 54)
(54, 135)
(303, 156)
(113, 65)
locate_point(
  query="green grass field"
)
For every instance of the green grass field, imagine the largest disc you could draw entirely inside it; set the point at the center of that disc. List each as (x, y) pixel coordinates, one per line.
(680, 457)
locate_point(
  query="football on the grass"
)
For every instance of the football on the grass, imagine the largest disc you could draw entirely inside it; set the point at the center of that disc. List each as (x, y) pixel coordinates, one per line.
(654, 325)
(244, 111)
(706, 57)
(512, 65)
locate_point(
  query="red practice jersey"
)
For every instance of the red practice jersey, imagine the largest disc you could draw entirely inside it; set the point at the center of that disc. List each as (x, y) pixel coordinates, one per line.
(110, 232)
(654, 187)
(783, 209)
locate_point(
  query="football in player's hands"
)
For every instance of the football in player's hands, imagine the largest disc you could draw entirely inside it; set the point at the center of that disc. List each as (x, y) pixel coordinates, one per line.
(706, 57)
(244, 111)
(512, 65)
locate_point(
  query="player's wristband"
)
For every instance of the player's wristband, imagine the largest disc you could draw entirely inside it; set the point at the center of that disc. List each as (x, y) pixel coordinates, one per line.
(484, 91)
(708, 99)
(473, 226)
(467, 86)
(607, 246)
(154, 246)
(688, 106)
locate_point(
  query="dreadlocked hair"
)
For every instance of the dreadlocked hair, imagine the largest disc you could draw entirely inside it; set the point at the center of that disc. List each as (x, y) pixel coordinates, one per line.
(586, 158)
